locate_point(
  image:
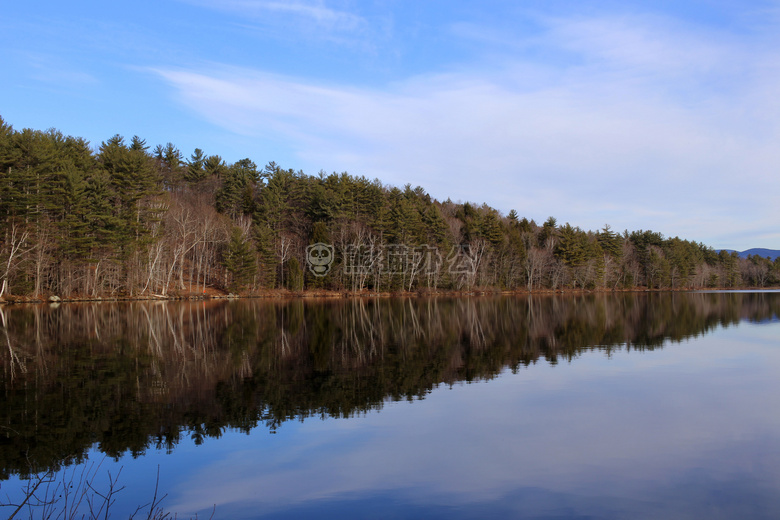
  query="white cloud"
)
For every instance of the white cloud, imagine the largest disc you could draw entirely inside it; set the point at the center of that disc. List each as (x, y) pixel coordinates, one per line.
(315, 11)
(669, 129)
(647, 43)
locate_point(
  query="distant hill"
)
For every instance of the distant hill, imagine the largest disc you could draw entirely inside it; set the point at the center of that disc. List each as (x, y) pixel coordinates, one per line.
(771, 253)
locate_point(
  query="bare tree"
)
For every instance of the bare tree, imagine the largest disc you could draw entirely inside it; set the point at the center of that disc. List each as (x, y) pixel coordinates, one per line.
(14, 247)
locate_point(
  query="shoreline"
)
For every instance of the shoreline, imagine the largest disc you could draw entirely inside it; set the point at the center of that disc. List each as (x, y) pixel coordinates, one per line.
(330, 294)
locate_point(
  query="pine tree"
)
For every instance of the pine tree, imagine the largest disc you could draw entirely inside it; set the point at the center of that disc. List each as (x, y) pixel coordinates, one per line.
(169, 161)
(294, 278)
(5, 129)
(195, 167)
(214, 165)
(236, 195)
(239, 261)
(105, 226)
(548, 233)
(138, 145)
(435, 225)
(134, 182)
(264, 238)
(610, 242)
(76, 237)
(490, 227)
(29, 174)
(525, 226)
(571, 247)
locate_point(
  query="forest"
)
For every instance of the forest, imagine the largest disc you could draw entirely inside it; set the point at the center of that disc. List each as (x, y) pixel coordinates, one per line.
(128, 220)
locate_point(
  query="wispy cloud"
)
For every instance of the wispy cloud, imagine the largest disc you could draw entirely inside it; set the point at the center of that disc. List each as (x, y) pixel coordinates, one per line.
(646, 128)
(49, 69)
(314, 11)
(650, 43)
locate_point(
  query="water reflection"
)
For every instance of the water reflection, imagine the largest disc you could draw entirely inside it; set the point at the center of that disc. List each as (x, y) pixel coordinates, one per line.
(130, 376)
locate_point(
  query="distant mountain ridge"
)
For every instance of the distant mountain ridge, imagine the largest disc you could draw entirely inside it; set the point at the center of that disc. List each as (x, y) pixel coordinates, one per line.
(771, 253)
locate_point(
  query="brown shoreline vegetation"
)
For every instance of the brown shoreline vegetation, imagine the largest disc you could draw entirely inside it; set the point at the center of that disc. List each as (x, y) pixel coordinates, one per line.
(283, 294)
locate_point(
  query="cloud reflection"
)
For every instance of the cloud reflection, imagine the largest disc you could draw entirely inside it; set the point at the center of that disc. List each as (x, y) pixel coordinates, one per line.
(654, 428)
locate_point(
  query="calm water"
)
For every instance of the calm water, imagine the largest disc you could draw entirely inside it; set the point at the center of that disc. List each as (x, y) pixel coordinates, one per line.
(626, 406)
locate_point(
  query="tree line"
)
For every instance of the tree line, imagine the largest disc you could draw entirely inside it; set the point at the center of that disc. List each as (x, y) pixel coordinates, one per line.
(125, 219)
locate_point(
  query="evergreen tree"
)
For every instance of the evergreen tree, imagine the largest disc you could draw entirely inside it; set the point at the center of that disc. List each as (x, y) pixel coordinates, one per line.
(214, 165)
(237, 193)
(434, 222)
(138, 145)
(405, 223)
(489, 227)
(572, 245)
(6, 130)
(196, 167)
(294, 278)
(264, 238)
(170, 161)
(548, 234)
(76, 235)
(30, 173)
(134, 182)
(525, 226)
(239, 261)
(106, 231)
(610, 242)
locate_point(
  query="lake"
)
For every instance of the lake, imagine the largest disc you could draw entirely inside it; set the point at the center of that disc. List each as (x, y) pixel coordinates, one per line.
(633, 405)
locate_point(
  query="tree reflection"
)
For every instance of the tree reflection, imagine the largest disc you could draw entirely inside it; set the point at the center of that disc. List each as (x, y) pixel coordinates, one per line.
(130, 376)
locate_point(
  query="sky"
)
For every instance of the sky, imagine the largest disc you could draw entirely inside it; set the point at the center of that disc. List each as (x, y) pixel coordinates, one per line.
(659, 115)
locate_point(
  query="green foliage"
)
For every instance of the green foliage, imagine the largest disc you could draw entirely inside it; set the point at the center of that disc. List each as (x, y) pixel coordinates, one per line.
(610, 242)
(489, 227)
(642, 240)
(236, 196)
(572, 246)
(730, 264)
(169, 163)
(264, 239)
(138, 145)
(294, 278)
(549, 233)
(239, 261)
(196, 170)
(405, 224)
(214, 165)
(524, 225)
(133, 181)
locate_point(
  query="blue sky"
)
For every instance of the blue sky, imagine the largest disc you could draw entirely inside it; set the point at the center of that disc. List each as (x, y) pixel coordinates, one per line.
(644, 115)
